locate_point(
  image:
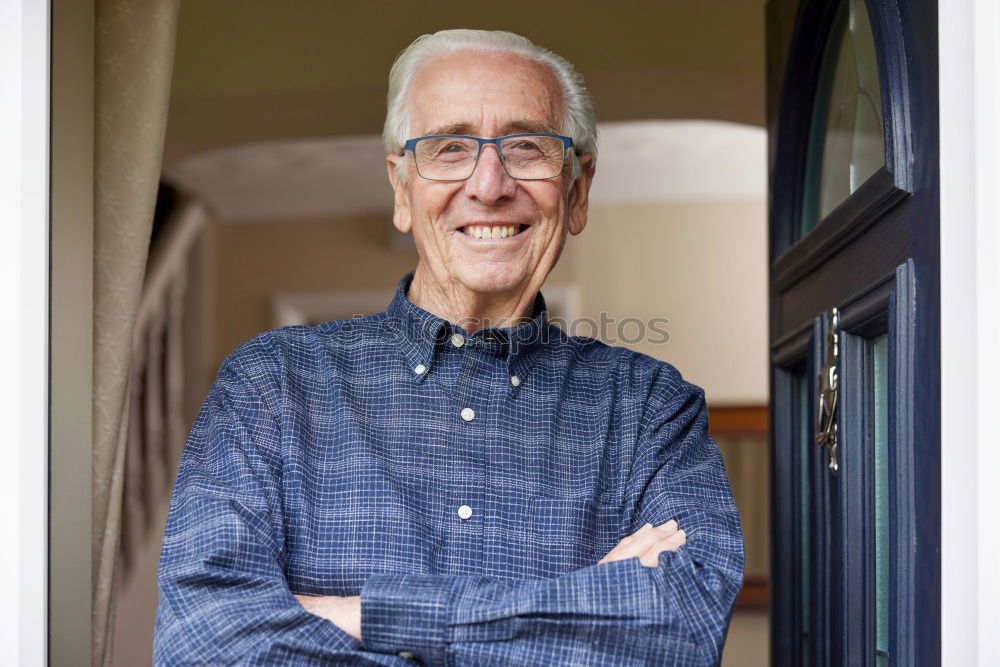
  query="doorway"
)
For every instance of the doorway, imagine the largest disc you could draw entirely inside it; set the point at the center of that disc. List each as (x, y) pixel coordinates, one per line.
(854, 331)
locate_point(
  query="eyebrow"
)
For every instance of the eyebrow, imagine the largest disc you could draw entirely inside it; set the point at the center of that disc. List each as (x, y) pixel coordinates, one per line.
(512, 127)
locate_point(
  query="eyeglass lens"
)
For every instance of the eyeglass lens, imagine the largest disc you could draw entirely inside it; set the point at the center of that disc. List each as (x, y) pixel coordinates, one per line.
(454, 158)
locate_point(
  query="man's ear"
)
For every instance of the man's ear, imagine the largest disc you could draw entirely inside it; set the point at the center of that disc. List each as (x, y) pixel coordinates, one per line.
(401, 201)
(579, 196)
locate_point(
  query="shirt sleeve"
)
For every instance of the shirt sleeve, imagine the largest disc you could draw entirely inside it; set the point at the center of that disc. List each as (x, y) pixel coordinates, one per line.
(619, 613)
(224, 598)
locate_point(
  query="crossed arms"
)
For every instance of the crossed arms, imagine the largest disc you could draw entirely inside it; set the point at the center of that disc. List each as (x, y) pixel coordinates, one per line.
(224, 596)
(646, 544)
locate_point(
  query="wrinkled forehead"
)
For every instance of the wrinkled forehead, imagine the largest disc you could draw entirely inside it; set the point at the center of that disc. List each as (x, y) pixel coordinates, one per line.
(483, 94)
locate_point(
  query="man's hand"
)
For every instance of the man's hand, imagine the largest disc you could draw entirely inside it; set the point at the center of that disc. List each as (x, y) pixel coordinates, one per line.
(344, 612)
(648, 543)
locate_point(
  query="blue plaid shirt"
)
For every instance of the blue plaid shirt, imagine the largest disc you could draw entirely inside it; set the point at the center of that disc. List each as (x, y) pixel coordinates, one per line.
(465, 485)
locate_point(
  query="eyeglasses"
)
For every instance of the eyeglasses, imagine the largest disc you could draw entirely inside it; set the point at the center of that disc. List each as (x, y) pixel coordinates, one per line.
(453, 157)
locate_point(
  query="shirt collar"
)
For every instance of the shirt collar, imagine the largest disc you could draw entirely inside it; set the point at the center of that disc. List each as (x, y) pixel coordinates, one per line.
(419, 333)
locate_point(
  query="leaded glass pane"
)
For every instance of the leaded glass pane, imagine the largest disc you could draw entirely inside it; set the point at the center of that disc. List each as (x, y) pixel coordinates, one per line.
(846, 145)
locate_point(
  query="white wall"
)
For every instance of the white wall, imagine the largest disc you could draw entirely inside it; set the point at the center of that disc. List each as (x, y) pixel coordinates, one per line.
(702, 265)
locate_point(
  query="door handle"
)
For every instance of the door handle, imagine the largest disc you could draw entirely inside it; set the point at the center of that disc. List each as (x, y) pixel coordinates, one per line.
(826, 414)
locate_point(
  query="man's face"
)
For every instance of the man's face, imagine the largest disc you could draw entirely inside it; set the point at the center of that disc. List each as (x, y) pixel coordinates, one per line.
(488, 95)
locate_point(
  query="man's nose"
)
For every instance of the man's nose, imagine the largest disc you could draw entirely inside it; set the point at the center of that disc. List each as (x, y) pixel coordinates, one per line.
(489, 182)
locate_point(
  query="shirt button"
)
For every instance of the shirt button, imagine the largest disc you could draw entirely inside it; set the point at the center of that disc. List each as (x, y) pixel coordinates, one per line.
(405, 654)
(420, 369)
(464, 512)
(516, 381)
(468, 414)
(458, 340)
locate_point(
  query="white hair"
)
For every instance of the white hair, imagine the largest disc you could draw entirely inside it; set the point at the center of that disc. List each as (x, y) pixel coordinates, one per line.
(578, 123)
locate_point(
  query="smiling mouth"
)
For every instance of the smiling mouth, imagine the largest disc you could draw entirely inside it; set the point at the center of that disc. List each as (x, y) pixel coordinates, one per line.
(493, 231)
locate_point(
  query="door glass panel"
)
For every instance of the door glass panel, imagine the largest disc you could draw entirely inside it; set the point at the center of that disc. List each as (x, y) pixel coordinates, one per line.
(880, 386)
(846, 145)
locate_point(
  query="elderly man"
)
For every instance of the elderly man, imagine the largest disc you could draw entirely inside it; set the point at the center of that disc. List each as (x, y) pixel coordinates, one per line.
(455, 480)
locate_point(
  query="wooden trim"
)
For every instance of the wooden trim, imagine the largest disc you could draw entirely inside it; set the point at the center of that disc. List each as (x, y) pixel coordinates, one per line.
(792, 346)
(853, 540)
(907, 588)
(849, 220)
(867, 313)
(755, 594)
(738, 420)
(746, 420)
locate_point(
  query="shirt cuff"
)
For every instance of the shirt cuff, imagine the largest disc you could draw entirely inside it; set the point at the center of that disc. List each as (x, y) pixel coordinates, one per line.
(406, 613)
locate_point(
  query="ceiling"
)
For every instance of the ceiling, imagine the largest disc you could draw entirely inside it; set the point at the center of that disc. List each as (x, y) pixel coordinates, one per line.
(259, 70)
(253, 46)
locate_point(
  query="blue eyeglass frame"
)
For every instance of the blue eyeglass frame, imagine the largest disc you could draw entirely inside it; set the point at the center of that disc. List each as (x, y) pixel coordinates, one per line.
(411, 144)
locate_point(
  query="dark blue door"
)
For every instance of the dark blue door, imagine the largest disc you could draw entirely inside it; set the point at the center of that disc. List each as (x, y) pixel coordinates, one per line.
(854, 331)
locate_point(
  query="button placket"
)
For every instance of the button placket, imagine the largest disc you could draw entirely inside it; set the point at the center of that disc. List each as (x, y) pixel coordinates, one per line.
(471, 428)
(487, 379)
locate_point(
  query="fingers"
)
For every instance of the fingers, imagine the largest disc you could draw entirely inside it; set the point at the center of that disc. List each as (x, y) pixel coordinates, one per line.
(668, 528)
(632, 545)
(639, 542)
(652, 556)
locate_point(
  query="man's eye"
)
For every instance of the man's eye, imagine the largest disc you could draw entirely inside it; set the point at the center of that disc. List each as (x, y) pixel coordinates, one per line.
(526, 146)
(453, 148)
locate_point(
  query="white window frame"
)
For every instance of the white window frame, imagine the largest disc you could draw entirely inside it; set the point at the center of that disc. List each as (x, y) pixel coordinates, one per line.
(24, 325)
(969, 87)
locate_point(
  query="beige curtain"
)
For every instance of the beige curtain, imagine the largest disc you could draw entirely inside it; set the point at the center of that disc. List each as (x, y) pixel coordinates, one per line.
(134, 61)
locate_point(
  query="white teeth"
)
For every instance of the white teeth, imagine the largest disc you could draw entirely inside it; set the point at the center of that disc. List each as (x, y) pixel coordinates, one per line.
(491, 232)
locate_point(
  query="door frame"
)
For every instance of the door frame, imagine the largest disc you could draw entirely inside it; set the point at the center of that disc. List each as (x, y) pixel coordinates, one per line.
(71, 352)
(970, 357)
